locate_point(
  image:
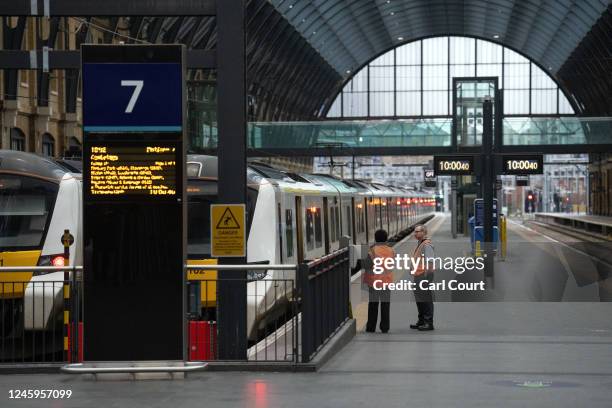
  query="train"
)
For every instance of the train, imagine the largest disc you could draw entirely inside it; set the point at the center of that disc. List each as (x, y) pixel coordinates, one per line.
(291, 218)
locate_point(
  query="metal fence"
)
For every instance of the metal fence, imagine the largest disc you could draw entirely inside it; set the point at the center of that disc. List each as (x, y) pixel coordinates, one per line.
(38, 316)
(324, 285)
(41, 318)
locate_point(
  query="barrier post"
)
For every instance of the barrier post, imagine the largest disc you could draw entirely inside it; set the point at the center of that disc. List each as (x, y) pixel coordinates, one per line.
(503, 238)
(477, 251)
(67, 239)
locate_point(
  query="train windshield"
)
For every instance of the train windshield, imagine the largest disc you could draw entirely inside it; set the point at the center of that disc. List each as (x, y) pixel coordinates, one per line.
(26, 205)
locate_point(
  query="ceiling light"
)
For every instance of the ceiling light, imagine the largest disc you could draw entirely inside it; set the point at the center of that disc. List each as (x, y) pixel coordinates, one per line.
(291, 6)
(348, 71)
(392, 13)
(495, 36)
(400, 38)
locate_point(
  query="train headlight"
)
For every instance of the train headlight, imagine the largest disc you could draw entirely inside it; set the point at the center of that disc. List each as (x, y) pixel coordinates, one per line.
(50, 260)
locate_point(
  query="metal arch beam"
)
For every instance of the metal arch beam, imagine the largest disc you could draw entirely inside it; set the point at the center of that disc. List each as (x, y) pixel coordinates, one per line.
(17, 59)
(481, 8)
(107, 8)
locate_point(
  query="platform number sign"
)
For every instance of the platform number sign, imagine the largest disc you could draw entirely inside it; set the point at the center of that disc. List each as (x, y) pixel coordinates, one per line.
(138, 85)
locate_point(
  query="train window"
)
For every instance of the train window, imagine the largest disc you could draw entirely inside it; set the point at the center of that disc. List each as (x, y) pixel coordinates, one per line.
(309, 230)
(332, 221)
(289, 232)
(198, 224)
(338, 233)
(318, 229)
(26, 205)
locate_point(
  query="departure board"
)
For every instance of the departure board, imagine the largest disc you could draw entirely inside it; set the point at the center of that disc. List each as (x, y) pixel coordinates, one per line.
(144, 170)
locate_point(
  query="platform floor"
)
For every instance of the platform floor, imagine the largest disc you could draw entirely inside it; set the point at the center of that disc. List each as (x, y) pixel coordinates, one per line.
(482, 354)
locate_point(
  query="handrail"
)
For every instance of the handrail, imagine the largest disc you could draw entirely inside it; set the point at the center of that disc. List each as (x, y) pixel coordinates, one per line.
(273, 267)
(81, 368)
(40, 268)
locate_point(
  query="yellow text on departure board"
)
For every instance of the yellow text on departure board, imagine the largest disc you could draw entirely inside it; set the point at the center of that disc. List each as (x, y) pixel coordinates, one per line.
(132, 170)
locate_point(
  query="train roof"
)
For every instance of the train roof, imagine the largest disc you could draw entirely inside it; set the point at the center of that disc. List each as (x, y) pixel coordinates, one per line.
(12, 161)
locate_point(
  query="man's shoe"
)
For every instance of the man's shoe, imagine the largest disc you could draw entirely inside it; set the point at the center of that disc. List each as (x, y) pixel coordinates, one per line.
(369, 330)
(426, 327)
(416, 325)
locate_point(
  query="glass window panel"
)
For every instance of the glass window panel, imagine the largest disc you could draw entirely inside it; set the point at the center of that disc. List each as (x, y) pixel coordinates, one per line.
(564, 104)
(381, 79)
(435, 50)
(408, 103)
(435, 77)
(355, 104)
(540, 79)
(513, 57)
(335, 110)
(516, 102)
(381, 104)
(460, 71)
(435, 103)
(492, 70)
(408, 78)
(384, 60)
(544, 101)
(516, 76)
(409, 54)
(359, 83)
(462, 50)
(489, 52)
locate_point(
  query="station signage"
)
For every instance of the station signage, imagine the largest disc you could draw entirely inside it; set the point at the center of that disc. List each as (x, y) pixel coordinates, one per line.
(522, 164)
(134, 202)
(453, 165)
(430, 178)
(227, 230)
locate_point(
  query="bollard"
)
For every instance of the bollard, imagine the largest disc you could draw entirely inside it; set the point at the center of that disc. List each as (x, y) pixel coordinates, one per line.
(477, 251)
(503, 237)
(67, 240)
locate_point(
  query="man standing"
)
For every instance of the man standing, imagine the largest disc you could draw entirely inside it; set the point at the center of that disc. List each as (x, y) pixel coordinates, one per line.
(372, 279)
(423, 271)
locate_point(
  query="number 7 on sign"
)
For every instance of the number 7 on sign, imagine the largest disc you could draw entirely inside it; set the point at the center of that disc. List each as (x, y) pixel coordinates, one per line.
(138, 85)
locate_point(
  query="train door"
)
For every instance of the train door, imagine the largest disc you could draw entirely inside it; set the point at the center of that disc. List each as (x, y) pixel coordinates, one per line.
(366, 212)
(326, 225)
(299, 230)
(353, 214)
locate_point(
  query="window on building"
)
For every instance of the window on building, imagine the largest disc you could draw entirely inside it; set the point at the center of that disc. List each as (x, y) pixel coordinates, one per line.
(18, 140)
(48, 145)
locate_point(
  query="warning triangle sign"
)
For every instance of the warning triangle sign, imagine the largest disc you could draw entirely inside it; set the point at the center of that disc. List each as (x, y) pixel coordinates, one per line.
(228, 221)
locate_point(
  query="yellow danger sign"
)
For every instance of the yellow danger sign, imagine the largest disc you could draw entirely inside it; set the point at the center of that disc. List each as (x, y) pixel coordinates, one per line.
(227, 230)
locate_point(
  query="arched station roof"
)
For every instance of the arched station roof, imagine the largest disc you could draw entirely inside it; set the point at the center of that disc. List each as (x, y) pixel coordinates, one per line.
(570, 38)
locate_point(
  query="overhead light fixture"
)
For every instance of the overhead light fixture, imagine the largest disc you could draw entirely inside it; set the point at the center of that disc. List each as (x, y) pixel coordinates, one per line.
(495, 36)
(348, 71)
(392, 13)
(400, 38)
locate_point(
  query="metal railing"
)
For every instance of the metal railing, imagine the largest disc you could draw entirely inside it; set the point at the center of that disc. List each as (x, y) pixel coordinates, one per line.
(324, 285)
(41, 318)
(37, 316)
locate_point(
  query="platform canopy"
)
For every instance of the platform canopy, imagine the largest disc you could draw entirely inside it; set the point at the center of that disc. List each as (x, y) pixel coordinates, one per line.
(569, 38)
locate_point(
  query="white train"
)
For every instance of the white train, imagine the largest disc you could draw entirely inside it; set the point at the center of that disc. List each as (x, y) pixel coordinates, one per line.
(297, 217)
(291, 218)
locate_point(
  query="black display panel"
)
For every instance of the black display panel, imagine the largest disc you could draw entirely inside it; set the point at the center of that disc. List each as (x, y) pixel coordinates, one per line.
(453, 165)
(133, 202)
(522, 164)
(132, 170)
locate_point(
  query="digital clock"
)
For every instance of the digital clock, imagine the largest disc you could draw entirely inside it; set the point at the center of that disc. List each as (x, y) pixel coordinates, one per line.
(453, 165)
(522, 164)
